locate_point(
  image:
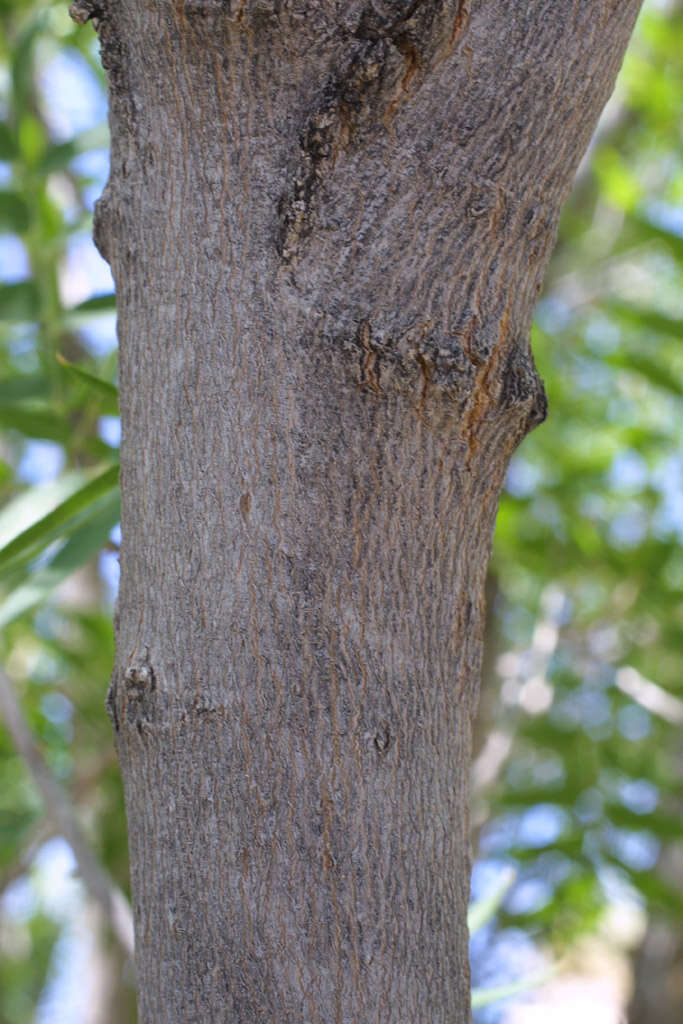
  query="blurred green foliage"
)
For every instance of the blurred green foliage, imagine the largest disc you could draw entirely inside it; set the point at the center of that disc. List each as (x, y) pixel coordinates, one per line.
(588, 565)
(587, 572)
(57, 380)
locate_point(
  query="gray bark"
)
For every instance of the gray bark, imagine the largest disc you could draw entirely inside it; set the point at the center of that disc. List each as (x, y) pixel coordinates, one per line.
(328, 224)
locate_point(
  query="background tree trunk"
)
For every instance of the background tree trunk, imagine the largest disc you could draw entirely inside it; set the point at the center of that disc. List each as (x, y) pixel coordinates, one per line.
(328, 224)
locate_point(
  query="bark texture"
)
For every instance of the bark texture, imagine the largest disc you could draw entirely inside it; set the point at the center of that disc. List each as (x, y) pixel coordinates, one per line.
(328, 224)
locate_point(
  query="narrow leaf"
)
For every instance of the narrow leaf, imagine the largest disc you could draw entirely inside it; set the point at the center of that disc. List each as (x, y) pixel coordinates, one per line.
(8, 145)
(657, 375)
(646, 319)
(35, 502)
(40, 423)
(484, 996)
(103, 387)
(19, 301)
(672, 240)
(23, 386)
(97, 304)
(79, 549)
(14, 212)
(65, 517)
(60, 155)
(481, 912)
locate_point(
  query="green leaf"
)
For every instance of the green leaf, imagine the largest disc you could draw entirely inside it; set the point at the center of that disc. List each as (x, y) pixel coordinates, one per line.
(60, 155)
(20, 301)
(481, 912)
(14, 212)
(22, 60)
(97, 304)
(8, 145)
(484, 996)
(23, 386)
(656, 890)
(618, 181)
(36, 423)
(35, 502)
(663, 825)
(657, 375)
(50, 217)
(64, 519)
(23, 976)
(646, 319)
(83, 545)
(672, 240)
(102, 387)
(32, 139)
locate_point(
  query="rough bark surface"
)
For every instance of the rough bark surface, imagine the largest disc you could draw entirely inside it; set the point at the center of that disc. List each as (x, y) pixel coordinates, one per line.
(328, 224)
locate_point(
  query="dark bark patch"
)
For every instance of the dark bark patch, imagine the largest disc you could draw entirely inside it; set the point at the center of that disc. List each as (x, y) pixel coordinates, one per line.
(116, 62)
(369, 360)
(508, 388)
(203, 8)
(112, 701)
(245, 507)
(420, 361)
(461, 19)
(388, 56)
(131, 699)
(483, 398)
(382, 739)
(346, 101)
(480, 205)
(523, 388)
(139, 681)
(83, 11)
(426, 367)
(379, 20)
(102, 226)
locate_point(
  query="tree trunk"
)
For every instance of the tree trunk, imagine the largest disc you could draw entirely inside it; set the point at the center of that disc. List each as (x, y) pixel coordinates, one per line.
(328, 223)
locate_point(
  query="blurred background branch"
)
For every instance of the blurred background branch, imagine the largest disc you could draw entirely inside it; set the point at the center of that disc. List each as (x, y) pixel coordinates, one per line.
(58, 807)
